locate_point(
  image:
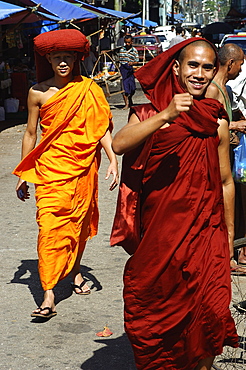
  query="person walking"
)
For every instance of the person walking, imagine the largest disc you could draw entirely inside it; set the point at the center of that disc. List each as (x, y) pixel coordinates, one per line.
(231, 59)
(128, 57)
(174, 214)
(76, 121)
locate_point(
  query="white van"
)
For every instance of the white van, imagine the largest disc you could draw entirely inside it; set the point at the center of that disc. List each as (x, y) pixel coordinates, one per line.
(166, 31)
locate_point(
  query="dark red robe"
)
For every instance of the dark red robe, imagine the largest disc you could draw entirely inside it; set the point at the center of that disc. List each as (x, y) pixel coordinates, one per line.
(170, 216)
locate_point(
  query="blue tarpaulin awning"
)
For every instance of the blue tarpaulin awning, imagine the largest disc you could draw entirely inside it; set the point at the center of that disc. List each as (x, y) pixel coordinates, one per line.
(100, 12)
(139, 22)
(13, 14)
(6, 9)
(62, 9)
(117, 13)
(177, 16)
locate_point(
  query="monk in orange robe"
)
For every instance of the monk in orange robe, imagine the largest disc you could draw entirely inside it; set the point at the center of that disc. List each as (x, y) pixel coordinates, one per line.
(76, 122)
(175, 214)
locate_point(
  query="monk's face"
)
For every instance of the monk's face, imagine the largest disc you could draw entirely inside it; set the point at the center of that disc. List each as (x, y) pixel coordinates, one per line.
(196, 69)
(62, 62)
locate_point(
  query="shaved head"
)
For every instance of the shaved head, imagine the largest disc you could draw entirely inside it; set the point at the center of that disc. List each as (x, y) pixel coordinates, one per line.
(230, 51)
(202, 43)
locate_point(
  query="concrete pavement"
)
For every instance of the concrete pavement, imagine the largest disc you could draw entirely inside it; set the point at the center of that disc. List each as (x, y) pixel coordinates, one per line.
(67, 341)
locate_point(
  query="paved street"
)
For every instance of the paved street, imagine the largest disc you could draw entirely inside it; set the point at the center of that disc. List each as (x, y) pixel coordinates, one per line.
(67, 341)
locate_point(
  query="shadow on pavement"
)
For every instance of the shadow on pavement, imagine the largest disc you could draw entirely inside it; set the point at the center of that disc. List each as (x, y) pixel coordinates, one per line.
(121, 106)
(13, 119)
(116, 355)
(27, 274)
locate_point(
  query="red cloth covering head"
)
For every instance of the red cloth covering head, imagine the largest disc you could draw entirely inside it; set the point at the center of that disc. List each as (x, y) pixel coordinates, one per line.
(157, 78)
(60, 40)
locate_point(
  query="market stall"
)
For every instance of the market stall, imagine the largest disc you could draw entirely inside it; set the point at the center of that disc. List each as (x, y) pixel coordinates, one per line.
(110, 77)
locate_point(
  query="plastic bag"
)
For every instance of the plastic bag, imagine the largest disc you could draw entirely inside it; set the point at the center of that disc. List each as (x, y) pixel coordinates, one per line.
(11, 105)
(239, 166)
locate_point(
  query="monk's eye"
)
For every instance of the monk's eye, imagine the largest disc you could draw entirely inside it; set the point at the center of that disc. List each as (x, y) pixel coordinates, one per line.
(193, 65)
(208, 67)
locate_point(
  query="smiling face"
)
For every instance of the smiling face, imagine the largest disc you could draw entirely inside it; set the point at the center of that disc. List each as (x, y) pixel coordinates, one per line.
(196, 68)
(62, 62)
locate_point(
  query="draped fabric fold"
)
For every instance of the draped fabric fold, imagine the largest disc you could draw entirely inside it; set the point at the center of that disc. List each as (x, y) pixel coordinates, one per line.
(64, 168)
(68, 143)
(170, 217)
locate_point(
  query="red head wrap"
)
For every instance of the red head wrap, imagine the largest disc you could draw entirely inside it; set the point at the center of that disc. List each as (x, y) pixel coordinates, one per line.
(61, 40)
(157, 78)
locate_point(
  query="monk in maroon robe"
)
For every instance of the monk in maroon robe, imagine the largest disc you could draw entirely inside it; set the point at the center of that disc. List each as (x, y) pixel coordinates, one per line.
(175, 214)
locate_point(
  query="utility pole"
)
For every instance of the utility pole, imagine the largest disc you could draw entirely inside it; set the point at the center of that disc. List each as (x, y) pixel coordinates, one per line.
(172, 12)
(117, 6)
(144, 13)
(147, 9)
(163, 12)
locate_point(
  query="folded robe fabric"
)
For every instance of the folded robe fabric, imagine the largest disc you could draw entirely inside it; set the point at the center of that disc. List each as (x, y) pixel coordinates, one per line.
(170, 217)
(64, 167)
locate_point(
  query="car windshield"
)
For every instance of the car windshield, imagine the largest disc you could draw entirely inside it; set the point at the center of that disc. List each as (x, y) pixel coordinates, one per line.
(162, 37)
(241, 43)
(144, 40)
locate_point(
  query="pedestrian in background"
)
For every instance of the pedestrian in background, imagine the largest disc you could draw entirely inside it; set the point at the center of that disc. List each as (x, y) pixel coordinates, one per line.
(128, 57)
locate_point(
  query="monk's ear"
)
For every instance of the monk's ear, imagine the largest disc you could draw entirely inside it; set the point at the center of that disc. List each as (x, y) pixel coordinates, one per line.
(230, 64)
(48, 57)
(176, 67)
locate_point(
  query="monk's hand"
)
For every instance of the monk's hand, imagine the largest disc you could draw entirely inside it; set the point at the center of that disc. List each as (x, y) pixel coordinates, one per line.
(22, 190)
(113, 170)
(179, 103)
(238, 126)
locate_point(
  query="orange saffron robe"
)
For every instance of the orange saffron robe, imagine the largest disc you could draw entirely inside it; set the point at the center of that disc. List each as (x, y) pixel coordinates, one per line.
(64, 167)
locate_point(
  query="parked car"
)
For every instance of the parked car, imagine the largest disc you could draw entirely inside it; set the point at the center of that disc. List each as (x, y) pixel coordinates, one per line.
(239, 39)
(148, 46)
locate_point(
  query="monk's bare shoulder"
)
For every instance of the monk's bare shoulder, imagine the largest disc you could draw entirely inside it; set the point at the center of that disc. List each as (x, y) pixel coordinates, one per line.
(41, 92)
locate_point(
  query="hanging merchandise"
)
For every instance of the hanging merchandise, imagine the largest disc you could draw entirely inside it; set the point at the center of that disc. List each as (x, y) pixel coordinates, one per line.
(18, 39)
(10, 39)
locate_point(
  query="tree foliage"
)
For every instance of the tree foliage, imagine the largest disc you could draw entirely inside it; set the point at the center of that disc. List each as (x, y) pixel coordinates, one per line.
(132, 6)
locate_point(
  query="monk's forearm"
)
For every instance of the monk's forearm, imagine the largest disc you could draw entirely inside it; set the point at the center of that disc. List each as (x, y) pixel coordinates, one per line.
(238, 125)
(132, 135)
(106, 143)
(28, 143)
(136, 132)
(229, 199)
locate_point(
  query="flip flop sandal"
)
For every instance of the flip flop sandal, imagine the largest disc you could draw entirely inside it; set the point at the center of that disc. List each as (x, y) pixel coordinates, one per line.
(242, 264)
(241, 307)
(85, 292)
(236, 271)
(47, 315)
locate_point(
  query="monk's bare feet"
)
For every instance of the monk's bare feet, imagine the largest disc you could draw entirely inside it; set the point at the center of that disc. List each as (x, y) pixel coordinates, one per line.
(235, 268)
(242, 257)
(47, 308)
(125, 107)
(79, 285)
